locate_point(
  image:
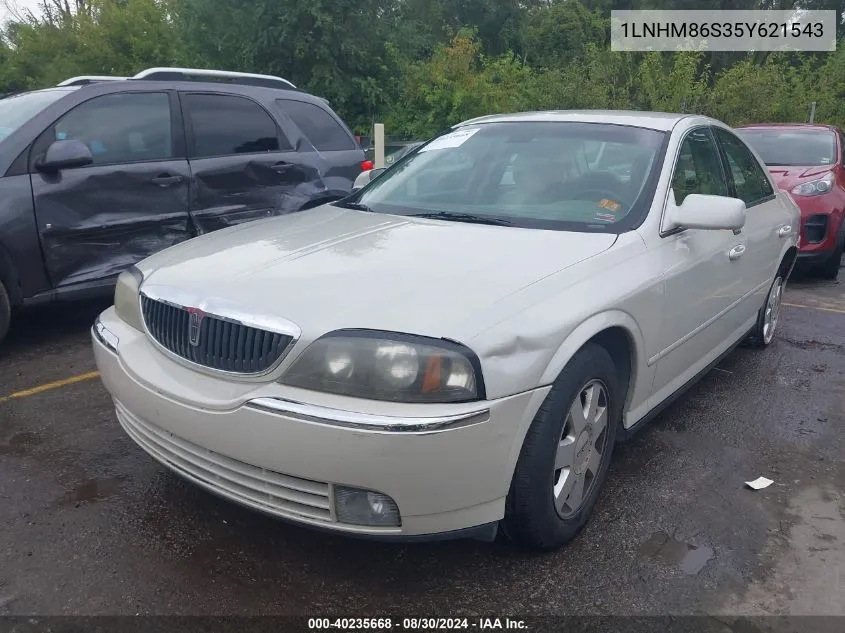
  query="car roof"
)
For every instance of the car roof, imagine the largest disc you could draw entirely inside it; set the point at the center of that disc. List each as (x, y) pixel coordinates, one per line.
(67, 89)
(663, 121)
(788, 126)
(224, 87)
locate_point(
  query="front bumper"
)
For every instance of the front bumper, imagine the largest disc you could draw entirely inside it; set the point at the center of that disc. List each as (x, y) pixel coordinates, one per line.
(813, 258)
(821, 217)
(283, 451)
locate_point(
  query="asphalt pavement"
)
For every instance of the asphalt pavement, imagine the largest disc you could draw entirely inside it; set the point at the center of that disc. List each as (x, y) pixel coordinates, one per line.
(89, 524)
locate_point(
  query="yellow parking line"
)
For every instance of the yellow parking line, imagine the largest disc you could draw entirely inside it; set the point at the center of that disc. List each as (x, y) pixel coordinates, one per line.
(799, 305)
(50, 385)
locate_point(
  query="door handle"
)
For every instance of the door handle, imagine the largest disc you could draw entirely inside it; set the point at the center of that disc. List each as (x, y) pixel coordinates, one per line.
(785, 231)
(736, 252)
(166, 181)
(281, 167)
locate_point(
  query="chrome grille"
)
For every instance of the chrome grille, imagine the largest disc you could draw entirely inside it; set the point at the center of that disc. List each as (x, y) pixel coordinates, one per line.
(267, 490)
(221, 344)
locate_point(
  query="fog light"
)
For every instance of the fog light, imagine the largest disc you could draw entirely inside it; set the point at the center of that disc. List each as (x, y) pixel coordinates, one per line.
(365, 507)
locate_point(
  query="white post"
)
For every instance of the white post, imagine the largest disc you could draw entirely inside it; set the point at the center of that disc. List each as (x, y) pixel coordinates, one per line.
(813, 112)
(378, 140)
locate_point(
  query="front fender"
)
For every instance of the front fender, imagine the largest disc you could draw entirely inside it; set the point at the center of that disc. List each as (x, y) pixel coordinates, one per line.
(588, 330)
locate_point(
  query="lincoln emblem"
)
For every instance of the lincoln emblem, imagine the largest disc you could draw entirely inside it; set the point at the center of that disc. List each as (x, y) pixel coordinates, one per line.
(195, 317)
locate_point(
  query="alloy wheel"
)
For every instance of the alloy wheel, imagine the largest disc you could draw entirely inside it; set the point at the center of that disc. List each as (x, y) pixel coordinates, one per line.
(772, 310)
(581, 449)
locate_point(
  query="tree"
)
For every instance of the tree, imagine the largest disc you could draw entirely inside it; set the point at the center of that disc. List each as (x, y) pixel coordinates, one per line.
(102, 37)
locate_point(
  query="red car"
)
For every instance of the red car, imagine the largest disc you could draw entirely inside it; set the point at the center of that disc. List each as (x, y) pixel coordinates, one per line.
(807, 161)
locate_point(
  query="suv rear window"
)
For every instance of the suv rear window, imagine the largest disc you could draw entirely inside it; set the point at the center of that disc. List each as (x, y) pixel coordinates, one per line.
(224, 125)
(319, 126)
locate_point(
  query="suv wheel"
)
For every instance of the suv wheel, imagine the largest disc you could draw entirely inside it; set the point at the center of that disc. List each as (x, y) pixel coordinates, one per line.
(830, 269)
(566, 453)
(5, 312)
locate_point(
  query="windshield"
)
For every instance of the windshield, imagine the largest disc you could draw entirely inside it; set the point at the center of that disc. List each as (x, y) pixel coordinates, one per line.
(807, 148)
(558, 175)
(18, 109)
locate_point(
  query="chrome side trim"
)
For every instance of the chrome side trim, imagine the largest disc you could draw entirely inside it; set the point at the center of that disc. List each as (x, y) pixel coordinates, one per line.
(368, 421)
(225, 311)
(105, 336)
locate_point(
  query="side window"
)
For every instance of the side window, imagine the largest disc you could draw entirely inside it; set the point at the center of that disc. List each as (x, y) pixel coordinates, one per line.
(842, 147)
(750, 180)
(223, 125)
(118, 128)
(319, 126)
(698, 169)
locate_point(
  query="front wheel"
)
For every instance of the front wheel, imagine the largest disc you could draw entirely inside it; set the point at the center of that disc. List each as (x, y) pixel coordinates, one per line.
(830, 269)
(566, 453)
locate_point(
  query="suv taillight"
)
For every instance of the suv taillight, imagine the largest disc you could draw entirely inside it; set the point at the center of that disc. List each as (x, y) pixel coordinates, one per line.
(367, 165)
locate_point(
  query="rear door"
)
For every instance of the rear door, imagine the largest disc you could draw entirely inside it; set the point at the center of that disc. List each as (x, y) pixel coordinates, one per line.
(97, 220)
(765, 218)
(340, 156)
(244, 167)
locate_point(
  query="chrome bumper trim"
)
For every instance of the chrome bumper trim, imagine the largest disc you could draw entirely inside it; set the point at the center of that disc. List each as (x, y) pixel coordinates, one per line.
(368, 421)
(108, 338)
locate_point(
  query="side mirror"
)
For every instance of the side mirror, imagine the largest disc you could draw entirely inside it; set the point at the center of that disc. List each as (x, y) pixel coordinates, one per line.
(366, 177)
(699, 211)
(64, 155)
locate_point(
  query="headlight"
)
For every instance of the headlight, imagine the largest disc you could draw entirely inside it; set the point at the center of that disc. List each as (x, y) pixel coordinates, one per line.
(126, 303)
(388, 366)
(814, 187)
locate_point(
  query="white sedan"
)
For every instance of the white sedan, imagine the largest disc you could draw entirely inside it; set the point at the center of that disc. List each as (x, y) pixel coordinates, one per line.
(456, 348)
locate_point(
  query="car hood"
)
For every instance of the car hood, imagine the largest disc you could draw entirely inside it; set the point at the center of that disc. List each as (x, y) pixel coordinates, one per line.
(329, 268)
(787, 177)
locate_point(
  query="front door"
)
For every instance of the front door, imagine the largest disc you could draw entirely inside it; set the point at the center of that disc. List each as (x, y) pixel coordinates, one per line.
(96, 221)
(703, 272)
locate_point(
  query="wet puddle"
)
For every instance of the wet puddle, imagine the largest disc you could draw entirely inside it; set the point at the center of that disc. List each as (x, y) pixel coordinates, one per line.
(92, 490)
(669, 551)
(19, 443)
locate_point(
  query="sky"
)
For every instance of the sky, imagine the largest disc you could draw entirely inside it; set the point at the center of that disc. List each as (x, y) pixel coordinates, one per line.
(21, 4)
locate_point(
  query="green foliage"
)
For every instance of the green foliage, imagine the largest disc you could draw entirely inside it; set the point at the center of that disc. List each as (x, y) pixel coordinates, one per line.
(422, 65)
(108, 37)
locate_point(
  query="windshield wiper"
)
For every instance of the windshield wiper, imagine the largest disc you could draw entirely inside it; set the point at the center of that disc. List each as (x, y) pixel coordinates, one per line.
(357, 206)
(462, 217)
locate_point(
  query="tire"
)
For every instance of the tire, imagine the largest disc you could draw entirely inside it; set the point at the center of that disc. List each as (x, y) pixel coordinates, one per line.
(5, 312)
(535, 517)
(830, 269)
(767, 318)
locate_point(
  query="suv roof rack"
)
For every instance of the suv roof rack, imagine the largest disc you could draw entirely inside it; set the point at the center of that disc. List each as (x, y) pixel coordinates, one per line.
(84, 80)
(177, 74)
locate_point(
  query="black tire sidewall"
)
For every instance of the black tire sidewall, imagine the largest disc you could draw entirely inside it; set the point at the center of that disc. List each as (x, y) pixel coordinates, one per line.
(532, 519)
(758, 338)
(830, 269)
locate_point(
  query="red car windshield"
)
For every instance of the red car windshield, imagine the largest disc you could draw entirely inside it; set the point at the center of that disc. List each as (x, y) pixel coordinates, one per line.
(806, 148)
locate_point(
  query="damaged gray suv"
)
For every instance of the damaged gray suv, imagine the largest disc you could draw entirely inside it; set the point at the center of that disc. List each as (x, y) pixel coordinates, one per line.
(98, 173)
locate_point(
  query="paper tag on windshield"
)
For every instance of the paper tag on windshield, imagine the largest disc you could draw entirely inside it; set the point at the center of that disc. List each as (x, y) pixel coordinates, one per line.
(610, 205)
(452, 139)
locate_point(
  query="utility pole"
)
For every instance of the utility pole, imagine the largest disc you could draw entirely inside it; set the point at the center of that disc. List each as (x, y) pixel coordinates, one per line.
(812, 112)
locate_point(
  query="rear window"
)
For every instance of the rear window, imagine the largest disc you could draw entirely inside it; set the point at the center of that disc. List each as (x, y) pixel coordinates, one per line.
(806, 148)
(321, 128)
(225, 125)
